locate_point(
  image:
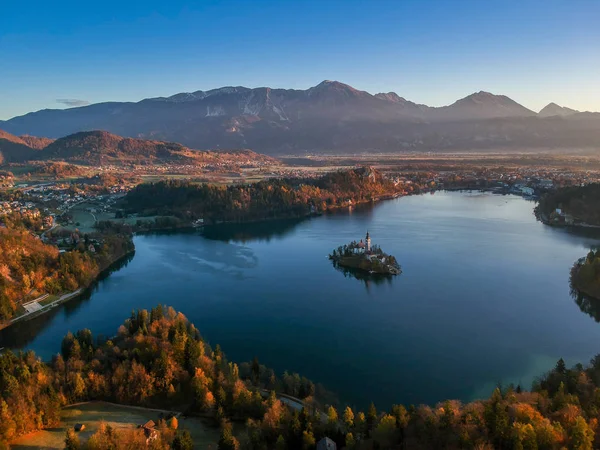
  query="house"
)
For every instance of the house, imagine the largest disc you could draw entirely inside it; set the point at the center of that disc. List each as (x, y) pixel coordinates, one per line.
(150, 431)
(79, 427)
(527, 190)
(326, 444)
(149, 425)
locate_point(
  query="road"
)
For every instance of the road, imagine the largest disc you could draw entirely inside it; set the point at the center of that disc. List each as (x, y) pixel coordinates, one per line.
(292, 402)
(47, 307)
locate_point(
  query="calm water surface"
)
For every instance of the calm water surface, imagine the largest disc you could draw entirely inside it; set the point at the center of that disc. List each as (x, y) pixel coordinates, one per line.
(484, 298)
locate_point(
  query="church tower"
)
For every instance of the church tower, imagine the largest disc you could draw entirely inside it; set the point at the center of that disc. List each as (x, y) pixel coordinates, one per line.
(368, 242)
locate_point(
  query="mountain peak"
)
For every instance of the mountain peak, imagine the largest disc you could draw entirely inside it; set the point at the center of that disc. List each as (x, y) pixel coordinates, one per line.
(484, 96)
(98, 134)
(391, 97)
(485, 105)
(552, 109)
(336, 87)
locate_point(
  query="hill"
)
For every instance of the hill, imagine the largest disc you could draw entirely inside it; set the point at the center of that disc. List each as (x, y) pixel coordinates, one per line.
(14, 149)
(268, 199)
(100, 147)
(36, 142)
(329, 117)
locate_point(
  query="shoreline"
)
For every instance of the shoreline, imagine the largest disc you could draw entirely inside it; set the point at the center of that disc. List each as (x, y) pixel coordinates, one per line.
(574, 285)
(347, 263)
(332, 208)
(65, 297)
(575, 226)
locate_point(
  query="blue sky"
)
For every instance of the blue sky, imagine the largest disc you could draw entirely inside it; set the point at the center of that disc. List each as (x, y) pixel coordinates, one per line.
(431, 52)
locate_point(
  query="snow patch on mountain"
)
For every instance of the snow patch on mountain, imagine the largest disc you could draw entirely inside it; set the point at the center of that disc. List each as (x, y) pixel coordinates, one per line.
(214, 111)
(280, 113)
(250, 108)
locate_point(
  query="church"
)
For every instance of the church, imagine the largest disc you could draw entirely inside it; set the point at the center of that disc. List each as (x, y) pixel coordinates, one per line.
(366, 245)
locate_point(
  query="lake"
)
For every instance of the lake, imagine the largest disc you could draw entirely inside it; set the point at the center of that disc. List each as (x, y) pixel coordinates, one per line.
(483, 298)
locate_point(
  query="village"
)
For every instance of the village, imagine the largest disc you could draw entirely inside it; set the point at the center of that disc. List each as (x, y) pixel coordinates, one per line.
(74, 204)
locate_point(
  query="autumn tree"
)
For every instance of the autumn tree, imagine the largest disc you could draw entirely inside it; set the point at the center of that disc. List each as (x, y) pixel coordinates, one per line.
(349, 418)
(227, 441)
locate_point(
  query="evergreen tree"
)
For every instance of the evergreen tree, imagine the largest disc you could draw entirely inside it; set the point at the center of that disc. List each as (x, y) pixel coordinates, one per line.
(371, 418)
(280, 443)
(71, 440)
(183, 441)
(581, 435)
(255, 371)
(227, 441)
(561, 367)
(496, 419)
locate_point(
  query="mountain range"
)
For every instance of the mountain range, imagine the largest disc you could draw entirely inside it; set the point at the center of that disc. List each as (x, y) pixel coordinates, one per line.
(100, 147)
(330, 117)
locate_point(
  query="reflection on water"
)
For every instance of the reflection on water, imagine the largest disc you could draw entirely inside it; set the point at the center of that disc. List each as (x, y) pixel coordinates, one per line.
(249, 232)
(587, 303)
(365, 277)
(22, 333)
(269, 230)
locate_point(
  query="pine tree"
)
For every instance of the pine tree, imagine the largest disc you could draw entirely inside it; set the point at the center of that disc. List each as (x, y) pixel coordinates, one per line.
(371, 417)
(71, 440)
(183, 441)
(561, 367)
(581, 435)
(227, 441)
(255, 371)
(280, 444)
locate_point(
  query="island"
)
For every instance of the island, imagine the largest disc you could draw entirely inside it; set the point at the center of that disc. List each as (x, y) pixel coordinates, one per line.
(365, 257)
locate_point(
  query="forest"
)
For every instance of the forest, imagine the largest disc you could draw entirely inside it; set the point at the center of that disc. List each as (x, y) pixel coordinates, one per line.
(585, 275)
(158, 358)
(29, 267)
(273, 198)
(581, 203)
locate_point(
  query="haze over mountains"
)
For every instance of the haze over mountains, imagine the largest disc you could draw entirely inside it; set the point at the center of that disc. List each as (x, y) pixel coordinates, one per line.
(331, 117)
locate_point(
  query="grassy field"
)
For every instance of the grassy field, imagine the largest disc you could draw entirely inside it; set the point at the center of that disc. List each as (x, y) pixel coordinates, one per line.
(93, 413)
